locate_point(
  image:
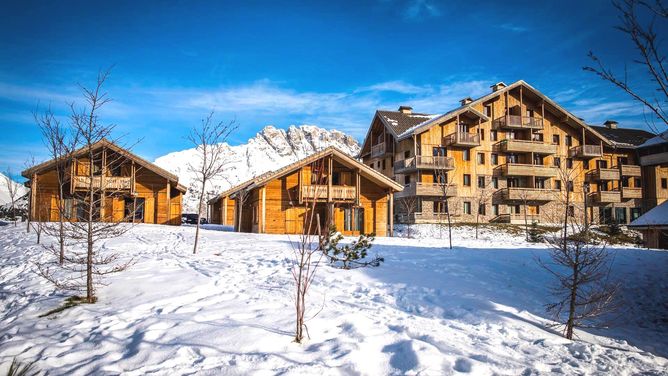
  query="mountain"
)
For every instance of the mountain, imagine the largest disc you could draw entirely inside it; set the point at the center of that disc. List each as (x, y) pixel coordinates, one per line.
(270, 149)
(4, 192)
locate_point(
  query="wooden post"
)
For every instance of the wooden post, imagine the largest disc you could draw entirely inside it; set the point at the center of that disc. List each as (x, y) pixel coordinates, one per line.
(300, 183)
(103, 194)
(223, 212)
(521, 104)
(133, 190)
(263, 223)
(33, 196)
(329, 179)
(169, 204)
(357, 187)
(391, 203)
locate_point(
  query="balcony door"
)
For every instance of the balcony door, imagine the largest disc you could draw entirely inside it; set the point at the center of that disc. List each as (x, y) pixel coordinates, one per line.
(463, 128)
(439, 151)
(601, 164)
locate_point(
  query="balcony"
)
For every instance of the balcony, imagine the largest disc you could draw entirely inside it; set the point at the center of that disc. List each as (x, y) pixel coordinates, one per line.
(462, 139)
(518, 122)
(631, 193)
(378, 150)
(607, 197)
(426, 189)
(529, 194)
(518, 169)
(318, 192)
(424, 162)
(110, 183)
(603, 174)
(631, 170)
(585, 151)
(526, 146)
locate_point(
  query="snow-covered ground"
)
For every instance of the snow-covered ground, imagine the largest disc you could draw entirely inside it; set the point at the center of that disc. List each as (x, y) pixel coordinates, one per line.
(476, 309)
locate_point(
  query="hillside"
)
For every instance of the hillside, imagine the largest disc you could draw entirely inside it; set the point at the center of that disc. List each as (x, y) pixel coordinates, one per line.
(270, 149)
(4, 192)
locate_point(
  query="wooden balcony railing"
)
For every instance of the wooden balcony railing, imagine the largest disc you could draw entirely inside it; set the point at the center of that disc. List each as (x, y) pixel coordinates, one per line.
(319, 192)
(631, 192)
(519, 169)
(463, 139)
(529, 194)
(424, 162)
(585, 151)
(607, 197)
(526, 146)
(378, 150)
(427, 189)
(631, 170)
(119, 183)
(518, 122)
(603, 174)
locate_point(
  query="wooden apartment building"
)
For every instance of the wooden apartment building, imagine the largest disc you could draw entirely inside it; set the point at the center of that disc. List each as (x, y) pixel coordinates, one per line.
(356, 198)
(506, 157)
(127, 188)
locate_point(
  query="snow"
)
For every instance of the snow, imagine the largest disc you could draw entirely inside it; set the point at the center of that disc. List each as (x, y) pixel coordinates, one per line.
(269, 150)
(4, 191)
(657, 216)
(659, 139)
(476, 309)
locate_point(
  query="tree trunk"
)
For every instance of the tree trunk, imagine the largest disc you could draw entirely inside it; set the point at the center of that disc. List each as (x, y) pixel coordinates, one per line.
(574, 291)
(199, 214)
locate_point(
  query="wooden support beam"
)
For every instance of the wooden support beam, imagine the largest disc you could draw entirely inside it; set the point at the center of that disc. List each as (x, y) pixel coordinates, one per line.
(330, 165)
(521, 104)
(391, 203)
(223, 212)
(357, 187)
(263, 222)
(169, 204)
(33, 196)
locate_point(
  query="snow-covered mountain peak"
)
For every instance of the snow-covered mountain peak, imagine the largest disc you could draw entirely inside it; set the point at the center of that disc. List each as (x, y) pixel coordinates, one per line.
(271, 148)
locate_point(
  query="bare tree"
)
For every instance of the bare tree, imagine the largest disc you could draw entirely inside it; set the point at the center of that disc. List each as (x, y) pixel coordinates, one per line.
(444, 181)
(482, 198)
(408, 205)
(241, 197)
(12, 192)
(60, 143)
(208, 140)
(308, 249)
(92, 224)
(638, 22)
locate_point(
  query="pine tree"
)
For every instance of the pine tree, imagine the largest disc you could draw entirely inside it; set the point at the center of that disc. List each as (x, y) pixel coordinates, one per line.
(352, 254)
(534, 234)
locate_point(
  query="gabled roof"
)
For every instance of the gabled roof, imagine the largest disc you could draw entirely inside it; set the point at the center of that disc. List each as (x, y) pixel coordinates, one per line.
(344, 158)
(124, 152)
(624, 137)
(657, 217)
(661, 138)
(400, 124)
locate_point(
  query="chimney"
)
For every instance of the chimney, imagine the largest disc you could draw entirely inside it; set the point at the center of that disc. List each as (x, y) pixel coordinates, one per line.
(610, 124)
(466, 101)
(498, 86)
(406, 110)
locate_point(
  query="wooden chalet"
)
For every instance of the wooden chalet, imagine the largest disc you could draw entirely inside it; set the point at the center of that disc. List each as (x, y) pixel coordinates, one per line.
(126, 187)
(356, 198)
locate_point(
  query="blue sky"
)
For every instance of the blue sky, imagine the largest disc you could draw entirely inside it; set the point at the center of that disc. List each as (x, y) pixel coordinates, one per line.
(329, 63)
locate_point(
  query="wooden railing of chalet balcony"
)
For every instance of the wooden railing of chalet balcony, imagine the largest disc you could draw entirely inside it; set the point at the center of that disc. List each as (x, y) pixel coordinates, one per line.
(120, 183)
(519, 122)
(320, 192)
(631, 170)
(425, 162)
(530, 194)
(378, 150)
(585, 151)
(526, 146)
(631, 192)
(462, 139)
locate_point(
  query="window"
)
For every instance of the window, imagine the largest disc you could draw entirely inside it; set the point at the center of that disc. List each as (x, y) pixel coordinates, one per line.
(569, 140)
(439, 151)
(440, 207)
(494, 135)
(512, 158)
(538, 159)
(620, 215)
(82, 208)
(134, 213)
(625, 181)
(601, 164)
(557, 185)
(664, 183)
(441, 178)
(68, 208)
(569, 162)
(495, 159)
(555, 139)
(371, 165)
(356, 223)
(467, 207)
(481, 209)
(638, 183)
(495, 209)
(481, 158)
(392, 162)
(383, 163)
(482, 135)
(530, 113)
(635, 213)
(571, 211)
(378, 164)
(116, 170)
(537, 137)
(407, 179)
(488, 110)
(467, 180)
(513, 182)
(255, 219)
(540, 183)
(585, 164)
(466, 155)
(557, 162)
(481, 182)
(495, 182)
(570, 185)
(336, 178)
(516, 209)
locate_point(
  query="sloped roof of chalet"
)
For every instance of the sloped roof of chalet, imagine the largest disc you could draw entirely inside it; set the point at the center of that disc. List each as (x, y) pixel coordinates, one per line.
(124, 152)
(365, 170)
(399, 122)
(407, 131)
(656, 217)
(624, 137)
(661, 138)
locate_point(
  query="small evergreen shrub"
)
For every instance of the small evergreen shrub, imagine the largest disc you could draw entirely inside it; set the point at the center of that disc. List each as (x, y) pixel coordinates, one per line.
(350, 255)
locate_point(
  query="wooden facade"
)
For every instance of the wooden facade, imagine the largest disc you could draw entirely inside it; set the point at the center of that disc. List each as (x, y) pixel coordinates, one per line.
(338, 188)
(128, 187)
(512, 146)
